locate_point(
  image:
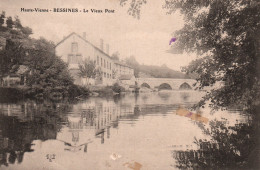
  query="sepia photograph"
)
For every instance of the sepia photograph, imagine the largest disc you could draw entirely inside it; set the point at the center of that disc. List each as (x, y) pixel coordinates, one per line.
(129, 84)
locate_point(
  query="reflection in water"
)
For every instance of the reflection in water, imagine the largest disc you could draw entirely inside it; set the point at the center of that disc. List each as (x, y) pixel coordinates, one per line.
(130, 125)
(185, 96)
(165, 95)
(20, 124)
(230, 147)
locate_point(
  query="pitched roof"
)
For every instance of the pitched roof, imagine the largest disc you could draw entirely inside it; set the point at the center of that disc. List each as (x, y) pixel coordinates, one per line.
(122, 64)
(73, 33)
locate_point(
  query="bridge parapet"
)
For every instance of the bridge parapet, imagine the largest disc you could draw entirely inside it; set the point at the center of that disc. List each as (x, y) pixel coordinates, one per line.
(175, 84)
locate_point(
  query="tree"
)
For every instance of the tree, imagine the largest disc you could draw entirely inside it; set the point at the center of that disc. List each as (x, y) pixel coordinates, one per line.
(229, 147)
(135, 7)
(47, 70)
(26, 31)
(226, 34)
(47, 73)
(2, 19)
(114, 73)
(115, 56)
(88, 70)
(131, 61)
(9, 22)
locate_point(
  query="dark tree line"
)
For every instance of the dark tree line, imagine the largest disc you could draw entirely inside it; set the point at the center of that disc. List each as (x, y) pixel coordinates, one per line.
(46, 71)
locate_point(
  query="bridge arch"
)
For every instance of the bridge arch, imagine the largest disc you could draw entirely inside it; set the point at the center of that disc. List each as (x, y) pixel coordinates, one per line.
(146, 85)
(165, 86)
(185, 86)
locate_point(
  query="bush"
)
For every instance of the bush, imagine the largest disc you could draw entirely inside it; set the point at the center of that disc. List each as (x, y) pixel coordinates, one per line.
(10, 94)
(74, 91)
(117, 88)
(34, 91)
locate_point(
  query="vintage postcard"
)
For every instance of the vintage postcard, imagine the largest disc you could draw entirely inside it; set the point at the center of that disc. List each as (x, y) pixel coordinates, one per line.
(129, 84)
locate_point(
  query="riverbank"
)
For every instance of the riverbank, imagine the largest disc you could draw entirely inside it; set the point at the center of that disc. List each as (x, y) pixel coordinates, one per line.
(71, 92)
(35, 92)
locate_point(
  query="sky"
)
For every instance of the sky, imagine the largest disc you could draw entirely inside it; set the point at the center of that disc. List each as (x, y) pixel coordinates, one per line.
(146, 38)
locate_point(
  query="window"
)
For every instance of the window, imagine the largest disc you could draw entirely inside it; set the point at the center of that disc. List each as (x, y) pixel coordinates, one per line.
(104, 63)
(107, 64)
(74, 59)
(70, 58)
(74, 47)
(78, 58)
(97, 60)
(110, 66)
(101, 61)
(104, 74)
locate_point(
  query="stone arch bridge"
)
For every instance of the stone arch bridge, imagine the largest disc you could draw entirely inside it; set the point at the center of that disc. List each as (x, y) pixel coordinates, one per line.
(165, 83)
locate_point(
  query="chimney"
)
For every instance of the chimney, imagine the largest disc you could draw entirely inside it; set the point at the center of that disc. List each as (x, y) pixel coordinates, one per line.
(107, 49)
(84, 35)
(101, 44)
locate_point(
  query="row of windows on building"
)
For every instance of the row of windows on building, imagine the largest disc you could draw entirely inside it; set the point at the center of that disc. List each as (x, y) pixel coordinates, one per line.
(104, 63)
(75, 59)
(107, 75)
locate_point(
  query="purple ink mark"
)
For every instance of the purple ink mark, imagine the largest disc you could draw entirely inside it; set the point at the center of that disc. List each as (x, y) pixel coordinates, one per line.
(189, 114)
(172, 40)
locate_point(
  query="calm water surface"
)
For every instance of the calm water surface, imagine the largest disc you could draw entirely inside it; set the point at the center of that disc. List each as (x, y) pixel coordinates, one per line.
(127, 132)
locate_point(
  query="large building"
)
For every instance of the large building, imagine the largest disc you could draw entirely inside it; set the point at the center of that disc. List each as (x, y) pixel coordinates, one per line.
(74, 49)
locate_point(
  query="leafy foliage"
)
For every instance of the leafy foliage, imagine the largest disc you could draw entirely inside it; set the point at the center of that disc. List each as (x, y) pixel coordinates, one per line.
(230, 147)
(47, 71)
(2, 18)
(155, 71)
(117, 88)
(9, 22)
(162, 72)
(115, 56)
(114, 73)
(135, 7)
(131, 61)
(89, 70)
(226, 34)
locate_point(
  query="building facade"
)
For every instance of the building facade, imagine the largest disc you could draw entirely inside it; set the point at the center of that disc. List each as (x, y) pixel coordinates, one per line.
(74, 49)
(123, 69)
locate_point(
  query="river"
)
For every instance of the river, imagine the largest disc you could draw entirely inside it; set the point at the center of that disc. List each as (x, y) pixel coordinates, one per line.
(131, 131)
